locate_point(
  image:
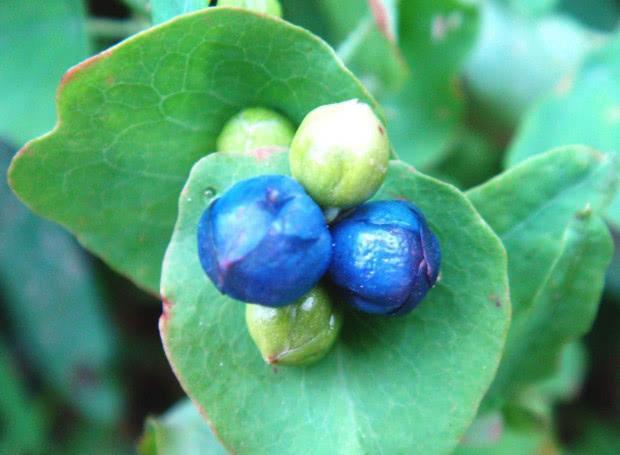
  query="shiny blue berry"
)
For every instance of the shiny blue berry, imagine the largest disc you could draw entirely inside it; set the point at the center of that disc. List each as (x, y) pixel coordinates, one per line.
(385, 258)
(264, 241)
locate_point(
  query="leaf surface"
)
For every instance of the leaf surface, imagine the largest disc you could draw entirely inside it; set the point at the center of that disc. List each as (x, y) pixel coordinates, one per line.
(390, 384)
(134, 119)
(181, 430)
(584, 109)
(424, 115)
(546, 211)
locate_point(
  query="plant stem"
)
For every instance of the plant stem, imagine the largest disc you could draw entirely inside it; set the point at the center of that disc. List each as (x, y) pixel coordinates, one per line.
(115, 28)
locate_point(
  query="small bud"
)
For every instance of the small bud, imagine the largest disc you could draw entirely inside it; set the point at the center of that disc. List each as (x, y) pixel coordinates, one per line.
(340, 154)
(255, 128)
(261, 6)
(264, 241)
(385, 258)
(296, 334)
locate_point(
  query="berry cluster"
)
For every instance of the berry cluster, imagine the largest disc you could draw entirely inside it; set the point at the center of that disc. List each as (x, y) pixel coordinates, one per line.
(266, 240)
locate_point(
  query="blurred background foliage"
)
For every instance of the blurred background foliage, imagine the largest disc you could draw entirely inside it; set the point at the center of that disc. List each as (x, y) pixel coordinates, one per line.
(465, 95)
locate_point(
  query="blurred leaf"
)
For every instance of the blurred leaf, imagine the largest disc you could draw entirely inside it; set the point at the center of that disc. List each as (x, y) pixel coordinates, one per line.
(511, 441)
(566, 382)
(56, 308)
(545, 211)
(390, 384)
(163, 10)
(424, 116)
(307, 14)
(517, 60)
(370, 49)
(38, 42)
(22, 428)
(584, 109)
(89, 439)
(135, 118)
(602, 14)
(532, 7)
(181, 430)
(612, 283)
(471, 160)
(599, 439)
(139, 6)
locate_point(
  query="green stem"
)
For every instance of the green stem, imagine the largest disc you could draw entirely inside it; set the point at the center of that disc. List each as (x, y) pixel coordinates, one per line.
(115, 28)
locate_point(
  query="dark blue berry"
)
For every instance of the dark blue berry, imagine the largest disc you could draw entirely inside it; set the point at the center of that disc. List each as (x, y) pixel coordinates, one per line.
(264, 241)
(385, 258)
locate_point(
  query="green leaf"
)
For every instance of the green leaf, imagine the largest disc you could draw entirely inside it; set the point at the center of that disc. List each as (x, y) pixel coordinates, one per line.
(135, 118)
(56, 308)
(181, 430)
(22, 427)
(584, 109)
(545, 211)
(38, 42)
(389, 384)
(424, 116)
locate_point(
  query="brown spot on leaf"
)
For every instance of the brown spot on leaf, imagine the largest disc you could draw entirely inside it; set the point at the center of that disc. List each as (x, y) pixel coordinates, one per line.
(495, 300)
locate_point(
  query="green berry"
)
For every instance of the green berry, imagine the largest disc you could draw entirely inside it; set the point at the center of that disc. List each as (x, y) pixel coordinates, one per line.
(295, 334)
(262, 6)
(340, 154)
(255, 128)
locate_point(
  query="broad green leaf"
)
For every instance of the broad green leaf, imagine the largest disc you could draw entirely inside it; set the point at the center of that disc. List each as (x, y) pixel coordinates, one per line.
(22, 427)
(517, 60)
(134, 119)
(545, 211)
(410, 384)
(38, 42)
(584, 109)
(56, 308)
(423, 117)
(181, 430)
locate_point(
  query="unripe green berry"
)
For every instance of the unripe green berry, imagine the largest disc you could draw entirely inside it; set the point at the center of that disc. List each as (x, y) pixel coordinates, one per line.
(262, 6)
(255, 128)
(340, 154)
(295, 334)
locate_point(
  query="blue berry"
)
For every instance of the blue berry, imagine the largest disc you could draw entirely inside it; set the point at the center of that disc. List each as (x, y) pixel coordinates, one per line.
(264, 241)
(385, 258)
